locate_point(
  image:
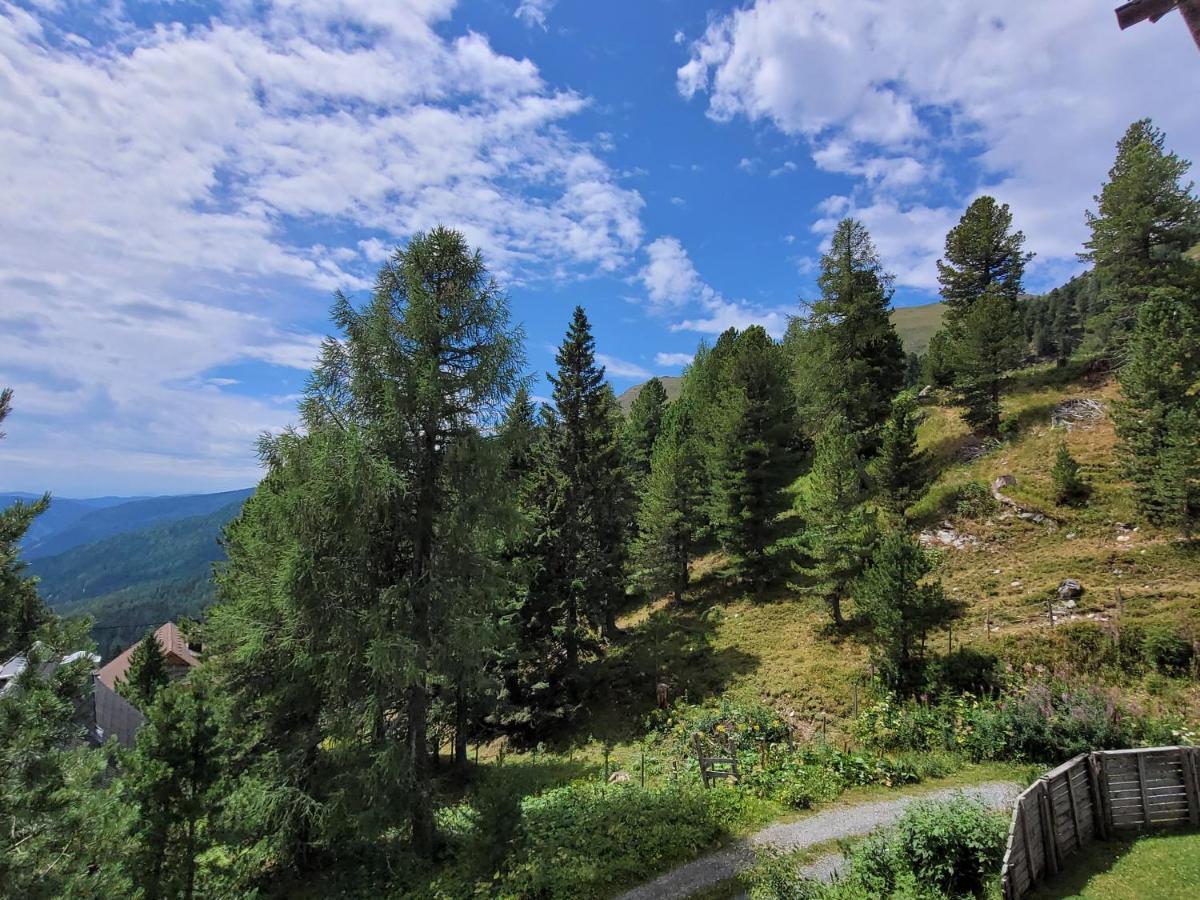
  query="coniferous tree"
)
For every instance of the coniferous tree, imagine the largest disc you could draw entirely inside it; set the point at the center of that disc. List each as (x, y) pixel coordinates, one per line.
(147, 672)
(987, 343)
(21, 609)
(901, 607)
(1160, 406)
(983, 257)
(937, 366)
(705, 390)
(641, 430)
(847, 356)
(518, 435)
(667, 520)
(171, 778)
(754, 446)
(1146, 220)
(840, 530)
(578, 504)
(1070, 487)
(980, 278)
(370, 551)
(899, 473)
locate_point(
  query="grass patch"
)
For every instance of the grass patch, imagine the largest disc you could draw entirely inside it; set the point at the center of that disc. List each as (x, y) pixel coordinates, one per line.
(1165, 867)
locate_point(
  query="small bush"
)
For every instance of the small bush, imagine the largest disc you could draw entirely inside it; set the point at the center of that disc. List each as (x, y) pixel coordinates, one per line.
(956, 845)
(1166, 651)
(965, 671)
(775, 876)
(973, 500)
(1070, 487)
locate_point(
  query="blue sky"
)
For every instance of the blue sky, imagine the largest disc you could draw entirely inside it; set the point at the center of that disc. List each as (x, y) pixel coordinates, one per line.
(186, 183)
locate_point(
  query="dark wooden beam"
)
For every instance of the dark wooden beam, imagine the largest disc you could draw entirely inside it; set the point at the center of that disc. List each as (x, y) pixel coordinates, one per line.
(1190, 10)
(1140, 10)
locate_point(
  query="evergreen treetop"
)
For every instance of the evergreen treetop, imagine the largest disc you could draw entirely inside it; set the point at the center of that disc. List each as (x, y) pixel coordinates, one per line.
(983, 255)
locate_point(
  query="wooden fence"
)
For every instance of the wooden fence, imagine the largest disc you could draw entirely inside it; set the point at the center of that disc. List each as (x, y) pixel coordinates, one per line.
(1093, 796)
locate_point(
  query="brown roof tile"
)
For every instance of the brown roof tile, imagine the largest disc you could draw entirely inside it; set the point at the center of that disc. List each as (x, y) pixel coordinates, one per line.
(174, 647)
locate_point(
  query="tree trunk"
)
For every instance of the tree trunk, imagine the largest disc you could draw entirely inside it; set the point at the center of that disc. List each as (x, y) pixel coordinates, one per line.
(835, 608)
(460, 728)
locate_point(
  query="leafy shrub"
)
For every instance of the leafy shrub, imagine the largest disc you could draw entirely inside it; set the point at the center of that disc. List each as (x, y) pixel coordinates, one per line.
(795, 783)
(586, 839)
(965, 671)
(726, 725)
(973, 500)
(956, 845)
(1168, 652)
(774, 876)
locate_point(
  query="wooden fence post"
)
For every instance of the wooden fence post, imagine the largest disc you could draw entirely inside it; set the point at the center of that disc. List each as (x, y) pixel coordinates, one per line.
(1049, 838)
(1191, 788)
(1074, 810)
(1141, 773)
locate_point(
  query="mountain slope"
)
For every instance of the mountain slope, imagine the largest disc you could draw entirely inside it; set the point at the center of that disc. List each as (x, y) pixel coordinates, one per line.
(129, 516)
(176, 551)
(671, 383)
(62, 513)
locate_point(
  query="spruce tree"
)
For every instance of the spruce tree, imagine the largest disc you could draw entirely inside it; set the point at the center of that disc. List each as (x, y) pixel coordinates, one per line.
(901, 606)
(1159, 406)
(578, 501)
(518, 435)
(641, 431)
(21, 609)
(1070, 487)
(1146, 220)
(840, 530)
(900, 472)
(980, 278)
(848, 359)
(147, 672)
(705, 390)
(757, 428)
(171, 778)
(667, 519)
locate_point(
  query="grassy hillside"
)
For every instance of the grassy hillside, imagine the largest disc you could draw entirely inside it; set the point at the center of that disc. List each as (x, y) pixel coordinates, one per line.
(782, 651)
(917, 324)
(129, 516)
(671, 383)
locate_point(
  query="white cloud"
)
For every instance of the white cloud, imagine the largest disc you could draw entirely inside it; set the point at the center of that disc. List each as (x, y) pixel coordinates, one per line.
(748, 164)
(163, 186)
(672, 282)
(787, 168)
(534, 12)
(673, 360)
(1034, 94)
(678, 201)
(621, 368)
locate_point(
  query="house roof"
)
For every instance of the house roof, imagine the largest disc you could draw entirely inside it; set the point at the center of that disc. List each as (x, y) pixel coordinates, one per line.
(175, 649)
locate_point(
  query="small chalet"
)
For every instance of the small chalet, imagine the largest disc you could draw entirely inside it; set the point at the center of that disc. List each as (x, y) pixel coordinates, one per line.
(180, 657)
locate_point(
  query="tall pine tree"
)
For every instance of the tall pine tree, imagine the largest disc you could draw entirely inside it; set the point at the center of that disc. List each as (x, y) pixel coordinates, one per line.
(667, 519)
(577, 501)
(1146, 220)
(1159, 410)
(847, 357)
(900, 473)
(840, 530)
(641, 430)
(754, 447)
(147, 672)
(981, 278)
(21, 609)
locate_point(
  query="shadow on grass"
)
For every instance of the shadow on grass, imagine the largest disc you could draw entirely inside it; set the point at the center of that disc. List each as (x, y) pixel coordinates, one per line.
(673, 646)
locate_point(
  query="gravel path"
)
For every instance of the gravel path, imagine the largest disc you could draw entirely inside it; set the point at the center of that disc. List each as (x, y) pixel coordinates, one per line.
(828, 825)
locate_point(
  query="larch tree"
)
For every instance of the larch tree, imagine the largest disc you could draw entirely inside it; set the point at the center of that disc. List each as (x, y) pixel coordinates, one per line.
(847, 357)
(393, 503)
(22, 611)
(981, 277)
(754, 447)
(1146, 219)
(667, 518)
(839, 528)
